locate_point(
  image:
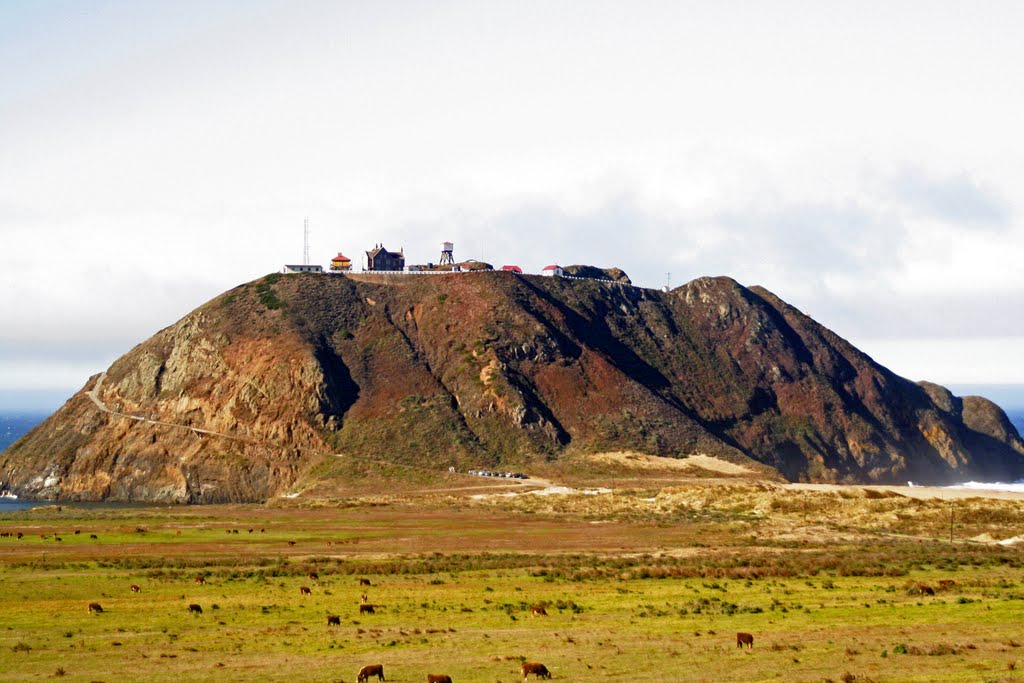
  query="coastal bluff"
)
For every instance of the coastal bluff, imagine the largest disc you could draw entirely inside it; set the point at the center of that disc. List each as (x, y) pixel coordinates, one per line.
(258, 388)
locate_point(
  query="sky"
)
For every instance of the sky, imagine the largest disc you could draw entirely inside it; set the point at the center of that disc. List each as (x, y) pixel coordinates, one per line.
(862, 160)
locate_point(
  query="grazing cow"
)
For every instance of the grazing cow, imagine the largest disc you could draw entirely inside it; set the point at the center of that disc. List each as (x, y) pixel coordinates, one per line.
(439, 678)
(136, 589)
(201, 580)
(538, 611)
(371, 670)
(77, 531)
(366, 609)
(535, 668)
(250, 531)
(744, 639)
(304, 590)
(94, 537)
(234, 531)
(291, 542)
(921, 589)
(364, 598)
(195, 609)
(333, 620)
(178, 532)
(21, 534)
(313, 576)
(94, 607)
(57, 538)
(364, 582)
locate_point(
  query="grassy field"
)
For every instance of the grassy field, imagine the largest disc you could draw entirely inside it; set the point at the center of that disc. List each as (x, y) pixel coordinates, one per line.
(829, 590)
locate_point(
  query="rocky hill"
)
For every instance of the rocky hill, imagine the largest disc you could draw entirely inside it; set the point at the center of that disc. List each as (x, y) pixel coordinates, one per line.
(257, 388)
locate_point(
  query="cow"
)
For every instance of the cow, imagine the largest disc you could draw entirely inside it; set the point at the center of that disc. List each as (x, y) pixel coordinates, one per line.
(21, 534)
(291, 542)
(364, 582)
(333, 620)
(535, 668)
(538, 611)
(744, 639)
(439, 678)
(946, 584)
(77, 531)
(250, 531)
(195, 609)
(366, 609)
(136, 589)
(370, 670)
(364, 598)
(95, 608)
(921, 589)
(94, 537)
(313, 576)
(304, 590)
(201, 580)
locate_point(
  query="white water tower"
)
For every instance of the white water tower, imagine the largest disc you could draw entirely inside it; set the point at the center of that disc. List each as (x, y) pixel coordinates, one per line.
(447, 249)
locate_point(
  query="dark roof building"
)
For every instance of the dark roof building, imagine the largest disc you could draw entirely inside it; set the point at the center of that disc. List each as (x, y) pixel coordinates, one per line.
(380, 258)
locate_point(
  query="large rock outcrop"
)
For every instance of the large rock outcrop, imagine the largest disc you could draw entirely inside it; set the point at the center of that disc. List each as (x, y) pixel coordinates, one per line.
(250, 392)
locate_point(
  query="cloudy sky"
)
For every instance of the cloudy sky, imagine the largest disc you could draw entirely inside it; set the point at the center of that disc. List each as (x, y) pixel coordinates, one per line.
(862, 160)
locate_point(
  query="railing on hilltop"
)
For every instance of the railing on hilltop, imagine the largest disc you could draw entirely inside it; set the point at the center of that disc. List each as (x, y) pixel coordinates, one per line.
(464, 272)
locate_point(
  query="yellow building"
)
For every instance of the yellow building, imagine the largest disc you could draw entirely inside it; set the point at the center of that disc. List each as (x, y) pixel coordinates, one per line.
(341, 262)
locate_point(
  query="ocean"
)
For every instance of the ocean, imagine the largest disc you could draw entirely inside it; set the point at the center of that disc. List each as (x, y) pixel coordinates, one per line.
(14, 425)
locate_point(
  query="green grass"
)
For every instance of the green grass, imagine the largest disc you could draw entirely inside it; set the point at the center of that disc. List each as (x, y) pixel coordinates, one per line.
(455, 585)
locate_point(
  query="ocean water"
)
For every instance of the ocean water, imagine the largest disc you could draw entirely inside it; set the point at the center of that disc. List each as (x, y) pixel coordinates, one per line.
(14, 425)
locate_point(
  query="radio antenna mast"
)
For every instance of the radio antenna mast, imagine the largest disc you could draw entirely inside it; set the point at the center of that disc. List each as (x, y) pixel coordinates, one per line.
(305, 242)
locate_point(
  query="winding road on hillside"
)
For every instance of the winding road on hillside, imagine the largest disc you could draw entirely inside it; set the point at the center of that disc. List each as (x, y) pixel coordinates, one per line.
(94, 396)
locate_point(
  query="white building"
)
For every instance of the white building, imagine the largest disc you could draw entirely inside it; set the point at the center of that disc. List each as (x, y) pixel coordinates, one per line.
(552, 271)
(303, 269)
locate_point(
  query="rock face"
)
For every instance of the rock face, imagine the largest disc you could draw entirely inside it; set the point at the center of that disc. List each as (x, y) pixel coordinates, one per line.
(248, 393)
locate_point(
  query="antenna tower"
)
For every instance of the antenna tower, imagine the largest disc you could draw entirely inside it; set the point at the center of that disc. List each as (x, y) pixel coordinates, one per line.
(305, 242)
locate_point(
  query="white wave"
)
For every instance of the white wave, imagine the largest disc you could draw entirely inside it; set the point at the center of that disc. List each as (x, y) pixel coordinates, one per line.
(1016, 487)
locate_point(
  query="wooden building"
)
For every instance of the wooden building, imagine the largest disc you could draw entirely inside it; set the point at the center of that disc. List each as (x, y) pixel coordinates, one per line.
(380, 258)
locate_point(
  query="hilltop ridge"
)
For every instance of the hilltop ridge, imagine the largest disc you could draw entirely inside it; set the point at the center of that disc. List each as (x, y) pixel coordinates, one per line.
(279, 375)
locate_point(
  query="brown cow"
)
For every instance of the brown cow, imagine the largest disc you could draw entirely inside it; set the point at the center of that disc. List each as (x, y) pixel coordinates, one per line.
(136, 589)
(744, 639)
(364, 582)
(439, 678)
(371, 670)
(538, 611)
(21, 534)
(195, 609)
(333, 620)
(291, 542)
(366, 609)
(313, 576)
(201, 580)
(94, 537)
(304, 590)
(535, 668)
(364, 598)
(94, 607)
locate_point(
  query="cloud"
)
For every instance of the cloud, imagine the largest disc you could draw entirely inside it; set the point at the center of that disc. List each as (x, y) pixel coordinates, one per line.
(956, 199)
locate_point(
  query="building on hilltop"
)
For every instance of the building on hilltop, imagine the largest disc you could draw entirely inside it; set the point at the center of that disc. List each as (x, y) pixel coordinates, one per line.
(512, 269)
(302, 269)
(553, 270)
(380, 258)
(341, 262)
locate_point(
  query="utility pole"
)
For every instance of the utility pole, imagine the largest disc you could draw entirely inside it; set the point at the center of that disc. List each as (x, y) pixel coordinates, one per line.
(668, 282)
(951, 522)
